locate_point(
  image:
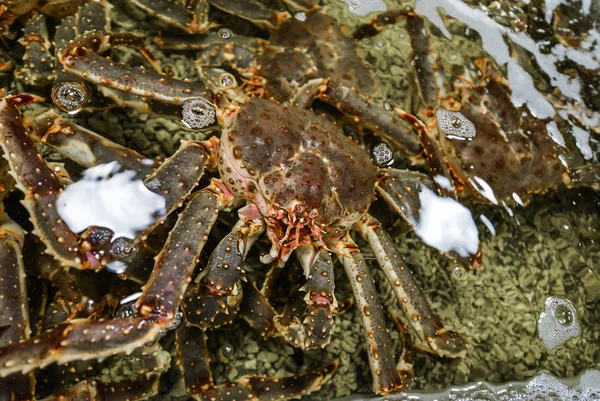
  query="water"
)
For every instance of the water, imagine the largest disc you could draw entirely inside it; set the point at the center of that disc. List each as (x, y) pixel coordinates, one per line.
(531, 307)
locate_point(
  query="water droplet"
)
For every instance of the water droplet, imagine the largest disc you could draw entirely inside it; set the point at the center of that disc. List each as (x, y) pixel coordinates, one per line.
(227, 80)
(383, 155)
(225, 33)
(69, 96)
(198, 113)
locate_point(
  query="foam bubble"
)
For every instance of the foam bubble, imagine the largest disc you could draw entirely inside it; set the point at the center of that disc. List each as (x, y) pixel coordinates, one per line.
(454, 125)
(108, 198)
(558, 323)
(446, 225)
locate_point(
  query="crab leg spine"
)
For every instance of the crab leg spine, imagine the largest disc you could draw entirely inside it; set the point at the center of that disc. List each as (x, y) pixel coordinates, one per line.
(386, 377)
(426, 324)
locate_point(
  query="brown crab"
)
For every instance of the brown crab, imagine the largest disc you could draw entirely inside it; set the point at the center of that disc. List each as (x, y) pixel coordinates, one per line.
(82, 339)
(307, 185)
(474, 134)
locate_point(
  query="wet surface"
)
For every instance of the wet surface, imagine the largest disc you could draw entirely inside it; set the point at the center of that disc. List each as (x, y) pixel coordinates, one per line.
(507, 96)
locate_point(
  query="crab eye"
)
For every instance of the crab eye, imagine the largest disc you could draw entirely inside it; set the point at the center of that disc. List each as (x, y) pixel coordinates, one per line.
(69, 96)
(198, 113)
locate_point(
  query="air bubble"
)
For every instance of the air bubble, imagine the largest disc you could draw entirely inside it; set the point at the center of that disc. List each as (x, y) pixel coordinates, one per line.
(301, 16)
(227, 80)
(454, 125)
(382, 153)
(225, 33)
(198, 113)
(558, 323)
(69, 96)
(387, 106)
(458, 273)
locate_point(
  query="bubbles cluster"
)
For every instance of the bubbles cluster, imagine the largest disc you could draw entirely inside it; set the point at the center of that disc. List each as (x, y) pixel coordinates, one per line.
(198, 113)
(558, 322)
(454, 125)
(69, 96)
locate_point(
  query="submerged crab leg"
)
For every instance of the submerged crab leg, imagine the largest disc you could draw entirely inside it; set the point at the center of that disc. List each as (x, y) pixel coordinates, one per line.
(257, 310)
(191, 19)
(81, 57)
(315, 329)
(424, 321)
(387, 377)
(14, 313)
(40, 186)
(85, 147)
(194, 360)
(175, 263)
(398, 132)
(139, 388)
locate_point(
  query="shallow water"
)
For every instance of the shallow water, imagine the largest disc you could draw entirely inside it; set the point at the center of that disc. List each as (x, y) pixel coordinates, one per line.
(531, 307)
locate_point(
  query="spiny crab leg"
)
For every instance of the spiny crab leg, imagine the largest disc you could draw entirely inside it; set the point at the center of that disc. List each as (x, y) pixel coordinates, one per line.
(315, 329)
(387, 377)
(194, 360)
(137, 388)
(397, 131)
(215, 297)
(82, 57)
(40, 186)
(85, 147)
(426, 324)
(83, 339)
(14, 313)
(192, 19)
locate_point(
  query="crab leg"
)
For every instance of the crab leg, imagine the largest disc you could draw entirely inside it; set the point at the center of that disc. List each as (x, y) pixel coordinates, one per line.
(192, 19)
(215, 297)
(139, 388)
(87, 339)
(398, 132)
(387, 378)
(194, 359)
(85, 147)
(256, 310)
(315, 329)
(14, 313)
(424, 321)
(252, 11)
(40, 186)
(81, 57)
(38, 69)
(175, 263)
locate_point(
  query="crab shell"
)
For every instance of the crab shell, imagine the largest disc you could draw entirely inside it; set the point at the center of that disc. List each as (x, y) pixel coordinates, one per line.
(307, 180)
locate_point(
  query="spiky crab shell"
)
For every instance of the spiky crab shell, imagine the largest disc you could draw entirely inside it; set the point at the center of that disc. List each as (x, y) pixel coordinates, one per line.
(296, 167)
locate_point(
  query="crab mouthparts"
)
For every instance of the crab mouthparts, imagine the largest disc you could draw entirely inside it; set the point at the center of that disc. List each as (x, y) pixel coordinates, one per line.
(289, 232)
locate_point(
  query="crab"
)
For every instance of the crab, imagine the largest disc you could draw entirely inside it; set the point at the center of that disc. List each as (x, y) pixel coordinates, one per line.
(306, 188)
(157, 307)
(474, 135)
